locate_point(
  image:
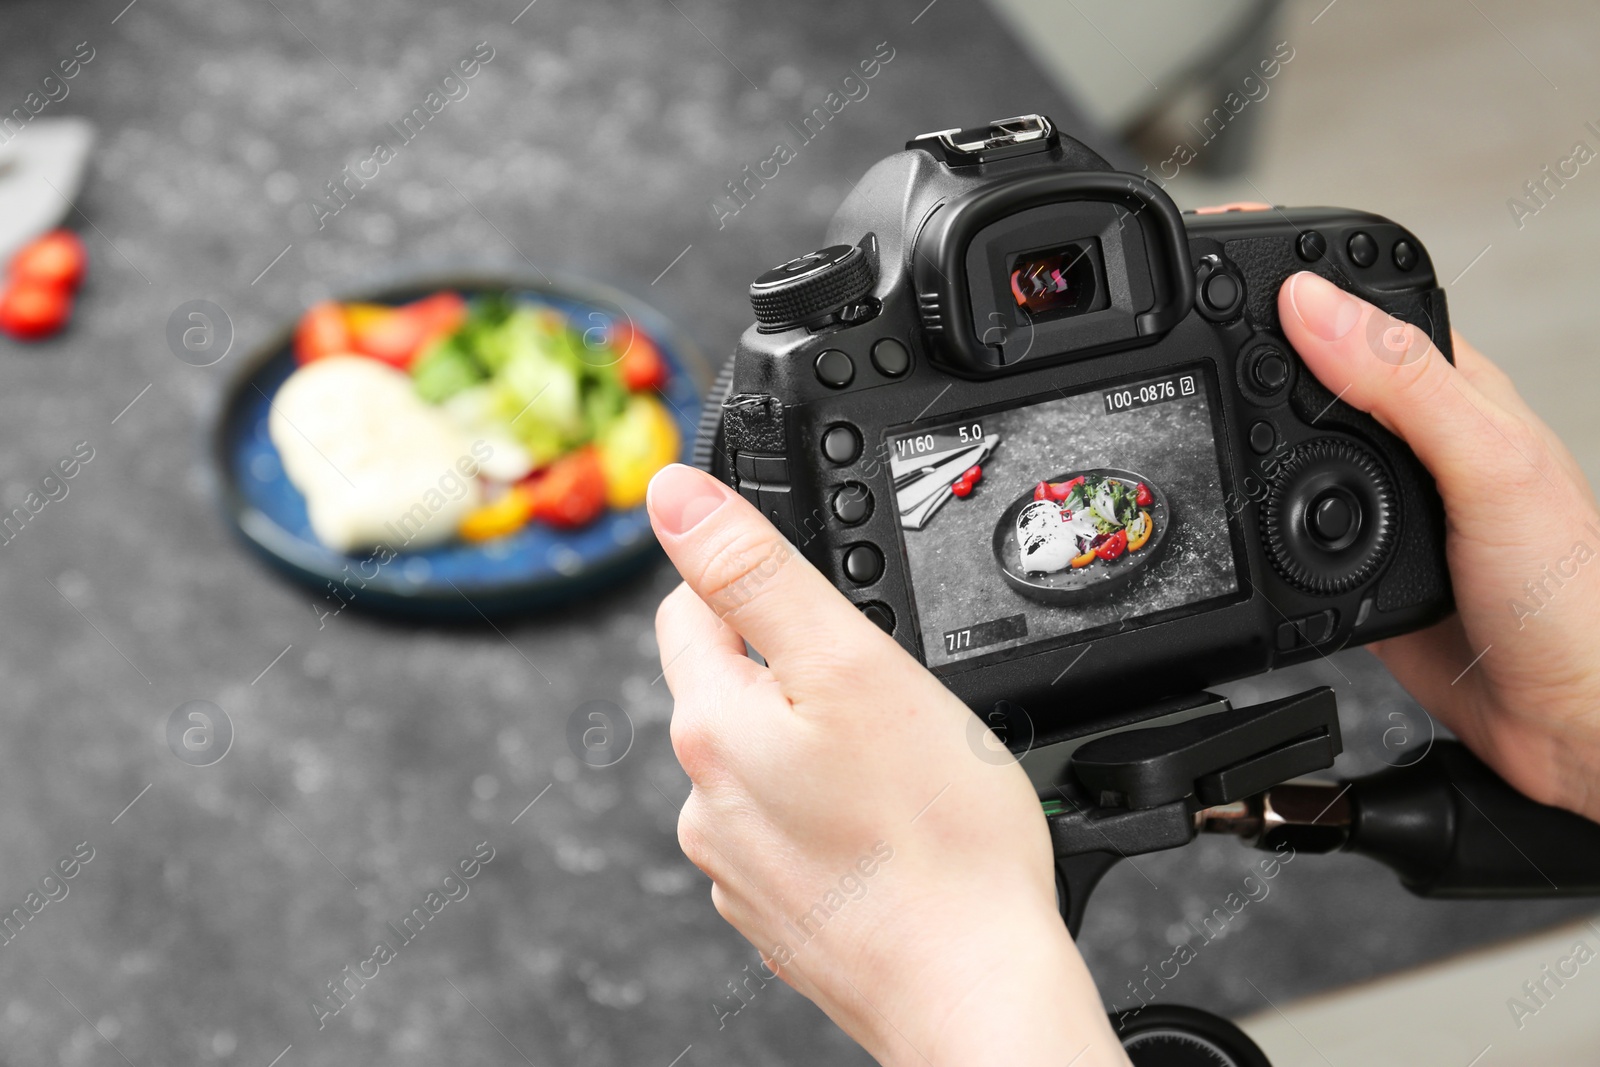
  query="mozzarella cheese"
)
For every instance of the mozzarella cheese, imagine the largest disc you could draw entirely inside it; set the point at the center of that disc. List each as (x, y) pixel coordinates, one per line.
(375, 463)
(1049, 538)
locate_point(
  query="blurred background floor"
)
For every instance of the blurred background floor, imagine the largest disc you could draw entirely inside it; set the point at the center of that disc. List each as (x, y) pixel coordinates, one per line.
(370, 757)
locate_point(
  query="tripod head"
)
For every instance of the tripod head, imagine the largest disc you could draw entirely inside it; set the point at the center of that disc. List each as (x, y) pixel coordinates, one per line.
(1445, 823)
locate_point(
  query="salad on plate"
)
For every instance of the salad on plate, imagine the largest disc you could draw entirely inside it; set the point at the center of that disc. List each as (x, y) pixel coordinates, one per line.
(1077, 522)
(452, 418)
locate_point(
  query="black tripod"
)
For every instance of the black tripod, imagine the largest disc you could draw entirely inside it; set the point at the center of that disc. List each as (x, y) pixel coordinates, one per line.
(1446, 823)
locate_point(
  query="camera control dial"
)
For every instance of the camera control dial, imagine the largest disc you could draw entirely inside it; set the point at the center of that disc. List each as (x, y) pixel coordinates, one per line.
(811, 286)
(1331, 515)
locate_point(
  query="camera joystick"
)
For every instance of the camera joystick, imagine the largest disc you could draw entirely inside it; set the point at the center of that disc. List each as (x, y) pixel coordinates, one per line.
(1331, 516)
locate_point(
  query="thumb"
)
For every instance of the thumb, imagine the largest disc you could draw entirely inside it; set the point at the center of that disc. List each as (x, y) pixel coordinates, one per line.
(1392, 370)
(757, 582)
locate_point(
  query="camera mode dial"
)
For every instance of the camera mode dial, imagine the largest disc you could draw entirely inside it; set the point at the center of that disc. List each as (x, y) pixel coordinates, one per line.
(811, 287)
(1330, 518)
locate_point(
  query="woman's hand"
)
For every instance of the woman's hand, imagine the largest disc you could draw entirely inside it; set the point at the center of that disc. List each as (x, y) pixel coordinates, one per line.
(860, 826)
(1516, 672)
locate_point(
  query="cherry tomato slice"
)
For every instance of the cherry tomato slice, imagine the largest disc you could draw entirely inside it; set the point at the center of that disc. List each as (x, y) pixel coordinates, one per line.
(1142, 497)
(322, 332)
(1113, 546)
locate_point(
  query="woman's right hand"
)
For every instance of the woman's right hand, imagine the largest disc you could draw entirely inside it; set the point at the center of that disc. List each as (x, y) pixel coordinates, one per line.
(1516, 672)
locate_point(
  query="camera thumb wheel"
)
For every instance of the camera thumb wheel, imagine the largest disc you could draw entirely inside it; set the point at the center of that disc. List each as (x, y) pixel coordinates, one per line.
(1174, 1036)
(1331, 517)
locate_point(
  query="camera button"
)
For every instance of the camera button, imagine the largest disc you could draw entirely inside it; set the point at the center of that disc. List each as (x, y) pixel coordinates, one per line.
(852, 503)
(1307, 631)
(1334, 519)
(1271, 371)
(1363, 249)
(891, 357)
(835, 369)
(1221, 292)
(881, 616)
(1405, 254)
(1262, 437)
(841, 444)
(1312, 246)
(863, 564)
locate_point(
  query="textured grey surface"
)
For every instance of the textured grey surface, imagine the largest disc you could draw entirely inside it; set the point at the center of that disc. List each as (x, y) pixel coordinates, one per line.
(369, 757)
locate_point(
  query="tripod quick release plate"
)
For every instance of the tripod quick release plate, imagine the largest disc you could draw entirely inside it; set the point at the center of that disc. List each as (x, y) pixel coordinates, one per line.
(1216, 759)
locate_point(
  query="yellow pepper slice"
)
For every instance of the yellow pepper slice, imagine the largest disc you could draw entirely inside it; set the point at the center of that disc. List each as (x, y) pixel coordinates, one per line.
(506, 515)
(1083, 560)
(642, 440)
(1146, 528)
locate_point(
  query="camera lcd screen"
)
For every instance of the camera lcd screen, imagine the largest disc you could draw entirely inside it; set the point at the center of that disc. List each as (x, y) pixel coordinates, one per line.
(1025, 525)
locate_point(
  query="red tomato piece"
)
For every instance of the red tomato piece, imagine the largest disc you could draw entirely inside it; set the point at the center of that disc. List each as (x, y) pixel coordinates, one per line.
(1042, 491)
(57, 259)
(439, 314)
(641, 365)
(572, 491)
(1113, 546)
(391, 338)
(1142, 497)
(322, 332)
(973, 474)
(29, 310)
(961, 487)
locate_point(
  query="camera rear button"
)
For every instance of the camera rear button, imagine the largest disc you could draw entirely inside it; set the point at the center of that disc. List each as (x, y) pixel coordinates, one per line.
(881, 616)
(863, 564)
(1221, 292)
(891, 357)
(835, 368)
(1262, 437)
(1363, 249)
(841, 444)
(1312, 246)
(1271, 371)
(852, 503)
(1405, 254)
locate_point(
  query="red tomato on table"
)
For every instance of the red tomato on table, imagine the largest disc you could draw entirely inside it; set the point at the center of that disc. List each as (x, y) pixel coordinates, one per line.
(56, 259)
(29, 310)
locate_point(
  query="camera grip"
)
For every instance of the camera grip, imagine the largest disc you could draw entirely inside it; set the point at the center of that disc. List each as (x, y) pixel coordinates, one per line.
(1417, 577)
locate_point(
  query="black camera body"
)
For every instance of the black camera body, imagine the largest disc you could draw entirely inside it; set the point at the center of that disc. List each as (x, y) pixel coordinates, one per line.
(1045, 430)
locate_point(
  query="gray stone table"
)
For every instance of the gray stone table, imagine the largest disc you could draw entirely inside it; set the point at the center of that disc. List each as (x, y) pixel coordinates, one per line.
(370, 758)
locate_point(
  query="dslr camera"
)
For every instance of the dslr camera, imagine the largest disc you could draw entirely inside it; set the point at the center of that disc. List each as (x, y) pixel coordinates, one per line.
(1045, 430)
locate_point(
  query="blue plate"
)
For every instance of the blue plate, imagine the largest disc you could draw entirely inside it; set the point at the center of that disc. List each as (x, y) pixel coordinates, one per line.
(533, 568)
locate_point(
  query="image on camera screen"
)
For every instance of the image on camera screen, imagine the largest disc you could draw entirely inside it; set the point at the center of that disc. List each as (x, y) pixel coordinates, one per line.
(1025, 525)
